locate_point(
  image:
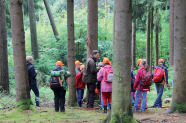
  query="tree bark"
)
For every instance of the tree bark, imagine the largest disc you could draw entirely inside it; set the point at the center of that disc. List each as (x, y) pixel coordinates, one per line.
(121, 105)
(83, 4)
(92, 27)
(151, 41)
(4, 77)
(18, 42)
(33, 30)
(179, 78)
(148, 37)
(134, 45)
(71, 53)
(171, 33)
(157, 37)
(52, 22)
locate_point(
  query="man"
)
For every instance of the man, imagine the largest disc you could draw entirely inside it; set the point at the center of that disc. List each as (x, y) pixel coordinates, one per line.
(160, 83)
(90, 77)
(59, 85)
(32, 73)
(78, 64)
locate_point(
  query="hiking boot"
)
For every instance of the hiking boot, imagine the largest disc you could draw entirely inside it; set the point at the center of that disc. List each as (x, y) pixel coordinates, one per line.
(110, 106)
(62, 110)
(105, 109)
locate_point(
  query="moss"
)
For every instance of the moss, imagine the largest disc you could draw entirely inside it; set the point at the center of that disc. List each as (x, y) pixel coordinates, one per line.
(25, 104)
(180, 108)
(114, 120)
(73, 104)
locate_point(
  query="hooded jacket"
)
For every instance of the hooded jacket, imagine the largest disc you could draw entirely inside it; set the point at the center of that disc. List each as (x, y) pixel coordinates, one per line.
(31, 74)
(138, 79)
(105, 86)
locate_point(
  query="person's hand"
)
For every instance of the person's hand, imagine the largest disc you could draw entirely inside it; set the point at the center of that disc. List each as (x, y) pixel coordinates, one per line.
(168, 85)
(36, 71)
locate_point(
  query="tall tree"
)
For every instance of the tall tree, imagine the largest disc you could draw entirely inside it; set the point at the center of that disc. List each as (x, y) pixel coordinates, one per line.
(121, 105)
(156, 37)
(71, 52)
(33, 30)
(151, 36)
(18, 42)
(92, 27)
(134, 44)
(171, 32)
(148, 36)
(179, 78)
(4, 78)
(52, 22)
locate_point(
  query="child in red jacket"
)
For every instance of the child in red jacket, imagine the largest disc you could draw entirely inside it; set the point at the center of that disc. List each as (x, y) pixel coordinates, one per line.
(80, 85)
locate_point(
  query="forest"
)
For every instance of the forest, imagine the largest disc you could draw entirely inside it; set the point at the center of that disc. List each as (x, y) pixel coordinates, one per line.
(124, 31)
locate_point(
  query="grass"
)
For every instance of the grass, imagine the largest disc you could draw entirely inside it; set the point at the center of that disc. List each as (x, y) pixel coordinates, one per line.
(48, 115)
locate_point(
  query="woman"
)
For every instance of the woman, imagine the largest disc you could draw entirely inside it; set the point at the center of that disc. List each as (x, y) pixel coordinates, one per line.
(106, 85)
(141, 74)
(32, 73)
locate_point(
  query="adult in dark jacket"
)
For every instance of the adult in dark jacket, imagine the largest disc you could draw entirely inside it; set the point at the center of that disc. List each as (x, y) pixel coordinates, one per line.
(90, 77)
(32, 73)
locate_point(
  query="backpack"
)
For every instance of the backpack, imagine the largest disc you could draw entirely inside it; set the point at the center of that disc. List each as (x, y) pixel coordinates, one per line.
(108, 74)
(146, 79)
(55, 80)
(158, 75)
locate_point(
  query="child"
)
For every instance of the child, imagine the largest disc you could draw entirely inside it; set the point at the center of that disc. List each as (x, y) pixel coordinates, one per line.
(80, 85)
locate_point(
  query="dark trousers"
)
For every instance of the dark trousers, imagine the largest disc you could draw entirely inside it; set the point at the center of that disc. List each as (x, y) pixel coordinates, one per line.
(35, 89)
(91, 94)
(59, 98)
(80, 93)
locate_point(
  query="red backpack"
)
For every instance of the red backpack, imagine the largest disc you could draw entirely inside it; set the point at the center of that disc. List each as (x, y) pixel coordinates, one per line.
(146, 79)
(108, 74)
(158, 75)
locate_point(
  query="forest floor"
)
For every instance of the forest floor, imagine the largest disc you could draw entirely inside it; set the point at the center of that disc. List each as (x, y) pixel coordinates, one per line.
(46, 113)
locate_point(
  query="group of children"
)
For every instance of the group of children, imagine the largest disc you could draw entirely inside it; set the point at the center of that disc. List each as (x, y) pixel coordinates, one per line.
(139, 84)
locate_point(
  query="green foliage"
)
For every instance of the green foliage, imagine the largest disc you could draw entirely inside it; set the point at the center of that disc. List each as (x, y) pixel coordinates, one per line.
(180, 108)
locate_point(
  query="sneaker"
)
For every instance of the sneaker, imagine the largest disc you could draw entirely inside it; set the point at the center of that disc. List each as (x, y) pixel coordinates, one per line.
(62, 110)
(142, 110)
(134, 109)
(154, 106)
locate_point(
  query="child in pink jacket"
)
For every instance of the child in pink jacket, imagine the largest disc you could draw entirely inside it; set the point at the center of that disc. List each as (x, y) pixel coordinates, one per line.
(106, 86)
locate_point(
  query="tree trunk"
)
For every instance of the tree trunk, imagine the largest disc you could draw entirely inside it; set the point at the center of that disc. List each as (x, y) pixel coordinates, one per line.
(52, 22)
(121, 105)
(134, 45)
(71, 52)
(4, 77)
(92, 27)
(179, 79)
(157, 38)
(18, 42)
(33, 30)
(105, 19)
(148, 37)
(151, 41)
(83, 4)
(171, 33)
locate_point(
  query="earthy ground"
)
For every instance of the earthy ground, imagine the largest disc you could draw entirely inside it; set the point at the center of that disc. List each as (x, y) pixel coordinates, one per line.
(46, 114)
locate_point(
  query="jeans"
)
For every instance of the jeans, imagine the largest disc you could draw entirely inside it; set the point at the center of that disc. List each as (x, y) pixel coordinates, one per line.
(80, 93)
(159, 88)
(91, 94)
(138, 93)
(35, 89)
(59, 98)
